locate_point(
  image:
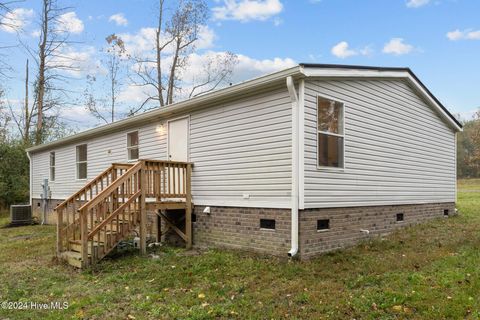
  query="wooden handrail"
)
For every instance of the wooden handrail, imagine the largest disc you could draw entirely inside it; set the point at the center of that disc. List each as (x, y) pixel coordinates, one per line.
(110, 209)
(101, 195)
(168, 162)
(114, 214)
(93, 182)
(79, 192)
(123, 165)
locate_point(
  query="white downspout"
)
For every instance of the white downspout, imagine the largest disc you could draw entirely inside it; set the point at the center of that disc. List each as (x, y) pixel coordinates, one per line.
(295, 142)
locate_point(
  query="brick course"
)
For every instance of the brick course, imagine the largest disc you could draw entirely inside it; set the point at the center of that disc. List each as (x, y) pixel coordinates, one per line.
(239, 228)
(346, 223)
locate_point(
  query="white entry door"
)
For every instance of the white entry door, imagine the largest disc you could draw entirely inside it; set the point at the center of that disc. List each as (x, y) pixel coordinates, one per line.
(178, 140)
(177, 151)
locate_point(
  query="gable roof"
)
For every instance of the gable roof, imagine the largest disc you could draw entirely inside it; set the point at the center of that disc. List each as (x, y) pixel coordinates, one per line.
(414, 80)
(303, 70)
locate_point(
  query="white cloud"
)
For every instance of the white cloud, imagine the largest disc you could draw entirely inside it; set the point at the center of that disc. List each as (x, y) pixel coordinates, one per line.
(468, 34)
(206, 38)
(397, 46)
(69, 22)
(246, 68)
(140, 42)
(119, 19)
(143, 42)
(16, 20)
(247, 10)
(134, 94)
(342, 50)
(417, 3)
(77, 62)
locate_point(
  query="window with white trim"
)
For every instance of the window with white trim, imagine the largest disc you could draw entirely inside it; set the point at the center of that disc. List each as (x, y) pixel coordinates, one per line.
(52, 166)
(82, 161)
(132, 145)
(330, 133)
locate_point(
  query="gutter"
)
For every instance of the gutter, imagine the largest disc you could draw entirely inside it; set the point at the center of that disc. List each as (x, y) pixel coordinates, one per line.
(217, 97)
(295, 162)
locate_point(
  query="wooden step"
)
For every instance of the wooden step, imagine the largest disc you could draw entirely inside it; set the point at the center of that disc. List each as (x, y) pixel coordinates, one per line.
(105, 236)
(73, 258)
(76, 246)
(114, 227)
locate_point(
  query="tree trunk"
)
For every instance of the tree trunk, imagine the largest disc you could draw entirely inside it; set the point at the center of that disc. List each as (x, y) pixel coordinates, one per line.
(26, 131)
(173, 70)
(41, 73)
(113, 95)
(159, 61)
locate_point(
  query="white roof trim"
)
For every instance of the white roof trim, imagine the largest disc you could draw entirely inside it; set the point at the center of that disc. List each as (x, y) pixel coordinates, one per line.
(145, 117)
(255, 84)
(367, 73)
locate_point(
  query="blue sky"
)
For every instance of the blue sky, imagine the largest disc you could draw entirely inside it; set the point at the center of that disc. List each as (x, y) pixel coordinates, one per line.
(438, 39)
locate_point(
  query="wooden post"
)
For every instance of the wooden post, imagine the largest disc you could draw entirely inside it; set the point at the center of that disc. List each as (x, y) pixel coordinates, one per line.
(83, 237)
(188, 209)
(143, 212)
(159, 228)
(59, 232)
(115, 194)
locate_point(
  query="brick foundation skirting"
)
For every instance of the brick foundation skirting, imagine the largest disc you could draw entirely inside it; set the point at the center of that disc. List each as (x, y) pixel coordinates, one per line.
(348, 226)
(239, 228)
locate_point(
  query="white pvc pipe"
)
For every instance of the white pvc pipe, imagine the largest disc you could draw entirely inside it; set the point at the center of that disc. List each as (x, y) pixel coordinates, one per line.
(294, 194)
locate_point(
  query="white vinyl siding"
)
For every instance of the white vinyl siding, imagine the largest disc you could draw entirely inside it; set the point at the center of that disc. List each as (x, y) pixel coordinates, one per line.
(397, 149)
(243, 150)
(238, 149)
(102, 152)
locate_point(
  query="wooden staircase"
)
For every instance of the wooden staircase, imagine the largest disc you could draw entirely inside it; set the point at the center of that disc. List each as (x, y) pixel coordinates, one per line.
(92, 222)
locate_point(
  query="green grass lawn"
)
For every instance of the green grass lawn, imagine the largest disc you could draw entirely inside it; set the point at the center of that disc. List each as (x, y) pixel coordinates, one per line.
(428, 271)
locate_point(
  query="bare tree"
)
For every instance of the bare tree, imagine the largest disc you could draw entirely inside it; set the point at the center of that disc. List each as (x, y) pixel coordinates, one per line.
(5, 9)
(4, 118)
(4, 21)
(216, 70)
(24, 119)
(115, 56)
(50, 63)
(175, 40)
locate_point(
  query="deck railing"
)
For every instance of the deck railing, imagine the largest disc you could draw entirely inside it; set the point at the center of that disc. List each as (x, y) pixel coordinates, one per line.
(68, 222)
(109, 215)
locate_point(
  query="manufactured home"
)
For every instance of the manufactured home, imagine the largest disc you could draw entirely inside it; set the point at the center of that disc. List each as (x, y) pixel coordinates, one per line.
(298, 162)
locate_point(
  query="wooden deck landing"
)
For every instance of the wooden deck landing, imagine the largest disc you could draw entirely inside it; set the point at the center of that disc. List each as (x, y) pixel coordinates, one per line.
(96, 218)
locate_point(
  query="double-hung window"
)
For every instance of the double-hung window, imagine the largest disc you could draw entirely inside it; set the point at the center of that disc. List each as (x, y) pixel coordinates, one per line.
(132, 145)
(330, 133)
(82, 161)
(52, 166)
